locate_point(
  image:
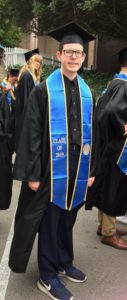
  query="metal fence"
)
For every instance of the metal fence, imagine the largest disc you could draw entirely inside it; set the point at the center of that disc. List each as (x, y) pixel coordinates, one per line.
(50, 60)
(15, 56)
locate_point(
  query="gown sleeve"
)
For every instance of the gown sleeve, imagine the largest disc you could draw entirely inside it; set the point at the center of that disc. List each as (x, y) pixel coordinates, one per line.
(116, 108)
(27, 165)
(96, 141)
(109, 139)
(110, 117)
(116, 118)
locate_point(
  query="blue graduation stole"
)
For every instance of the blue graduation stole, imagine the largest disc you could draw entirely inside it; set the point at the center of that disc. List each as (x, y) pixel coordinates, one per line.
(120, 76)
(122, 160)
(4, 83)
(10, 95)
(59, 146)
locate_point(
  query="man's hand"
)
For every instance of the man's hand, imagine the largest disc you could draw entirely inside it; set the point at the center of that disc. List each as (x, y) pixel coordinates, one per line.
(91, 181)
(34, 185)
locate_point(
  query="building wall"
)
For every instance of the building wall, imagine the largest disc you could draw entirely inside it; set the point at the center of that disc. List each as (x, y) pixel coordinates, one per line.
(47, 45)
(91, 55)
(25, 41)
(106, 61)
(29, 41)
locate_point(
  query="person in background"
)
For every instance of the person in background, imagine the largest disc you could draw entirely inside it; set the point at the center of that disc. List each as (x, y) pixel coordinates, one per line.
(109, 161)
(1, 92)
(7, 136)
(53, 160)
(9, 84)
(9, 87)
(29, 77)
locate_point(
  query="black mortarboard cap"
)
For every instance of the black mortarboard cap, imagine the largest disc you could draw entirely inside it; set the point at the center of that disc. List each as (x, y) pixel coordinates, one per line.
(29, 54)
(71, 33)
(14, 72)
(122, 55)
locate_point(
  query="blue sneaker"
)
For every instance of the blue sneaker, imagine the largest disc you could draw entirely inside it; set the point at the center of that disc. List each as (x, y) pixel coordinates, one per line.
(55, 289)
(74, 274)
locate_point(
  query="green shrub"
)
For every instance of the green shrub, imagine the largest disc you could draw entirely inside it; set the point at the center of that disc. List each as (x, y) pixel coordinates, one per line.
(15, 67)
(97, 80)
(47, 70)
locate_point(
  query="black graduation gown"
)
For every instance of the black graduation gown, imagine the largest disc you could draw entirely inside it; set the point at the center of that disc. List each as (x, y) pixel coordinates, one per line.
(109, 191)
(6, 149)
(25, 86)
(29, 167)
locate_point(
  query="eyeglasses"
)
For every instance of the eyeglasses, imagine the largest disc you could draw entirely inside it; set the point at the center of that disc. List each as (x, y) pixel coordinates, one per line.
(69, 53)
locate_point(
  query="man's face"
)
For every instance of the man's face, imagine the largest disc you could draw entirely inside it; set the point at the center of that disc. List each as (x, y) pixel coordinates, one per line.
(71, 57)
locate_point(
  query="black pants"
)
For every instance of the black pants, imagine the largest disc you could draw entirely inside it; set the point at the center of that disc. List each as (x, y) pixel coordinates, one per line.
(55, 245)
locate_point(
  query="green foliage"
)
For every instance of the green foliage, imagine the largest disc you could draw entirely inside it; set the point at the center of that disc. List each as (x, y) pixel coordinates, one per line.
(10, 36)
(107, 18)
(89, 4)
(97, 80)
(47, 70)
(52, 5)
(39, 8)
(15, 67)
(22, 13)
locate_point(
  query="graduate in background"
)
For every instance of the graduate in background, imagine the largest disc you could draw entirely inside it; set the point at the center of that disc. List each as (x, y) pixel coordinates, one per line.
(53, 160)
(109, 161)
(1, 91)
(9, 84)
(29, 77)
(7, 136)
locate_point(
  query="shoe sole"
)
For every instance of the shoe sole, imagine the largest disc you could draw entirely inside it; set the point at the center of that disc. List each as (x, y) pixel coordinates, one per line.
(124, 233)
(44, 290)
(72, 279)
(116, 247)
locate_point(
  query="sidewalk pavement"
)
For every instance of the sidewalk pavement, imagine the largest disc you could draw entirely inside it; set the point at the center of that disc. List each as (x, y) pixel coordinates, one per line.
(106, 267)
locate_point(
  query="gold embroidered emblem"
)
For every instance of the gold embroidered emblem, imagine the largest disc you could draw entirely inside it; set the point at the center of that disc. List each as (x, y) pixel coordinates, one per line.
(86, 149)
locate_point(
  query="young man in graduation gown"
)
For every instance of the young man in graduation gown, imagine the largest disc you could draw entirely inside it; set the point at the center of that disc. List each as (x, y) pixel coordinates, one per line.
(7, 136)
(53, 160)
(109, 161)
